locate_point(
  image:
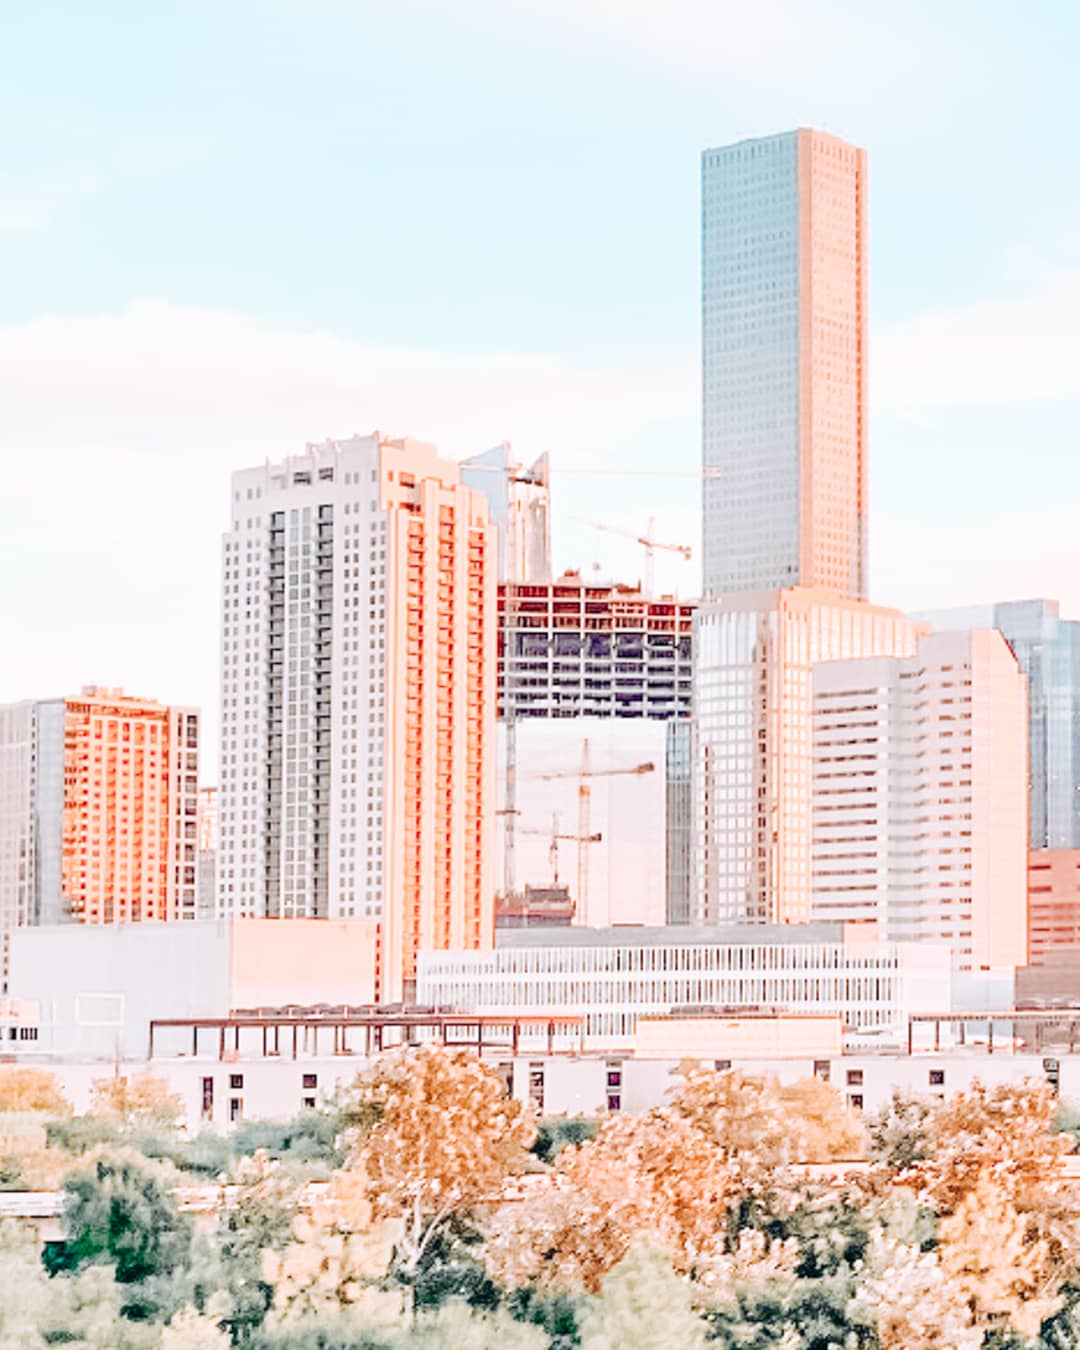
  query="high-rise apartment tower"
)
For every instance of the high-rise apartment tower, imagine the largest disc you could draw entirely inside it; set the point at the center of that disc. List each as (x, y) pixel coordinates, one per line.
(784, 364)
(358, 698)
(97, 810)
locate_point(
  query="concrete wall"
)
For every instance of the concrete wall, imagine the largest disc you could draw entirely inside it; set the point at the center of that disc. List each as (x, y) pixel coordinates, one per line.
(99, 986)
(572, 1086)
(726, 1037)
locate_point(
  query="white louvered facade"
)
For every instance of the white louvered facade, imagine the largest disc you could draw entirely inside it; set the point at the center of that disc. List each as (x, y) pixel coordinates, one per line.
(613, 977)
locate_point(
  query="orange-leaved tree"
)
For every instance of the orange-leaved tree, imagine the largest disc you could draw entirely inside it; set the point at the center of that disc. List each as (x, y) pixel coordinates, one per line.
(28, 1089)
(652, 1179)
(442, 1136)
(137, 1101)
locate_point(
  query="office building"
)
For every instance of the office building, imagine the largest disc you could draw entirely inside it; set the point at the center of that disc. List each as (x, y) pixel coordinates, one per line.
(679, 836)
(590, 818)
(206, 853)
(519, 504)
(568, 648)
(1048, 650)
(97, 810)
(920, 796)
(752, 761)
(1054, 906)
(614, 976)
(784, 329)
(358, 698)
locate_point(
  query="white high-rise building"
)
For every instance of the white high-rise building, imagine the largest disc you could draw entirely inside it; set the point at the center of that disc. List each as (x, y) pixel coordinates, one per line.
(920, 814)
(358, 697)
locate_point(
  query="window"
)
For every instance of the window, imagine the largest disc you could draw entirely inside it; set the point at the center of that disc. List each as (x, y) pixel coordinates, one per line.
(236, 1109)
(855, 1101)
(854, 1078)
(207, 1099)
(822, 1069)
(937, 1077)
(721, 1065)
(311, 1081)
(236, 1082)
(308, 1103)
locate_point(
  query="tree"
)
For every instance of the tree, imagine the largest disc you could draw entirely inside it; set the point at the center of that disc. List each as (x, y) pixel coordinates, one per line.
(643, 1305)
(653, 1178)
(445, 1137)
(118, 1212)
(745, 1117)
(554, 1132)
(260, 1220)
(141, 1101)
(79, 1312)
(32, 1090)
(997, 1260)
(909, 1301)
(338, 1253)
(191, 1330)
(898, 1131)
(456, 1326)
(1004, 1133)
(821, 1123)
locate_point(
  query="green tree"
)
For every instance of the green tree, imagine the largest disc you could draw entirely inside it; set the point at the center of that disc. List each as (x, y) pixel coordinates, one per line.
(554, 1132)
(260, 1220)
(118, 1212)
(898, 1131)
(643, 1305)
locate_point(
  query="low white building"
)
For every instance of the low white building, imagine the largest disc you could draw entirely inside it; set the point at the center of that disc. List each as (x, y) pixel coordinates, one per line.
(97, 987)
(613, 976)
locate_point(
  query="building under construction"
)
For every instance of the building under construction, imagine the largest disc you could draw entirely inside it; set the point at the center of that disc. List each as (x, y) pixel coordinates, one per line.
(571, 649)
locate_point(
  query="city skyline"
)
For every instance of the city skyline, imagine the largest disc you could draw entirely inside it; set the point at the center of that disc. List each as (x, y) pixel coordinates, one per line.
(973, 344)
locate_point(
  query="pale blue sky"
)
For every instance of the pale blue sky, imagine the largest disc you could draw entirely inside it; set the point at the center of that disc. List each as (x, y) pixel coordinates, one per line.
(226, 228)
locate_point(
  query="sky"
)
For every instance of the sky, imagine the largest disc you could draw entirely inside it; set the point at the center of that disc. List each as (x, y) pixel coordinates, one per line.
(226, 230)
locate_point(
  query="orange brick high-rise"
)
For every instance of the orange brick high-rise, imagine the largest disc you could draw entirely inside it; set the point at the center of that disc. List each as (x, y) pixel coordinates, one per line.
(129, 817)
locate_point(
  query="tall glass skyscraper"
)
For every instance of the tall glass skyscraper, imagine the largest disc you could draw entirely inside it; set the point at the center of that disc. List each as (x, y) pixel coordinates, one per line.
(1047, 649)
(784, 364)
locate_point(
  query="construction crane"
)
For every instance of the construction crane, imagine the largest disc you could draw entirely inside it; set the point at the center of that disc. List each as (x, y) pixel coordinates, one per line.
(649, 542)
(554, 834)
(584, 834)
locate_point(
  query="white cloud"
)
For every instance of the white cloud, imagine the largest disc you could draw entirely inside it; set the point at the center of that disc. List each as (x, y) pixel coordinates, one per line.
(1009, 555)
(780, 45)
(216, 383)
(119, 433)
(30, 205)
(1011, 350)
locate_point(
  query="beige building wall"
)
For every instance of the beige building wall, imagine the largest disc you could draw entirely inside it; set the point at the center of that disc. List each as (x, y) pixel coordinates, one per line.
(999, 801)
(303, 961)
(711, 1038)
(1053, 905)
(920, 796)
